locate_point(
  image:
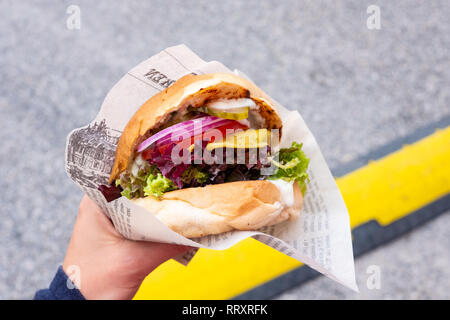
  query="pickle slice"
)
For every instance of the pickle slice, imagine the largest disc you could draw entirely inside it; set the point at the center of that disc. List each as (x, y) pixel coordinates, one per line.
(232, 114)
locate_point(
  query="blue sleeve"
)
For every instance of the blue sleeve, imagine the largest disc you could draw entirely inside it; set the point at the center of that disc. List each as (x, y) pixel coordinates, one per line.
(59, 289)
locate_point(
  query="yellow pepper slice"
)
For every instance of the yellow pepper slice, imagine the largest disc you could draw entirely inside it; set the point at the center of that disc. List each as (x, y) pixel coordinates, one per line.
(251, 138)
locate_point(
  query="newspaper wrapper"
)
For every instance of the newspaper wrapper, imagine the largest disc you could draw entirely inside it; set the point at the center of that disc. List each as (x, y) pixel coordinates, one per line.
(320, 237)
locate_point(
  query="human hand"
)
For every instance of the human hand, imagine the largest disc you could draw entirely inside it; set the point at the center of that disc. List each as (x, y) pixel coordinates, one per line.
(108, 265)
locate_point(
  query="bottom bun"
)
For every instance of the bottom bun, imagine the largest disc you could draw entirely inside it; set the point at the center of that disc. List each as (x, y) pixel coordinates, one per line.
(242, 205)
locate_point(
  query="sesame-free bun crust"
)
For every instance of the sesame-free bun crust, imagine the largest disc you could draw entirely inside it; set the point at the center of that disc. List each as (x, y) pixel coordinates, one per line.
(190, 90)
(213, 209)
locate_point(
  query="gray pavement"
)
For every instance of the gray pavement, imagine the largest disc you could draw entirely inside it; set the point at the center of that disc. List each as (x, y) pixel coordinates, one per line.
(416, 266)
(356, 88)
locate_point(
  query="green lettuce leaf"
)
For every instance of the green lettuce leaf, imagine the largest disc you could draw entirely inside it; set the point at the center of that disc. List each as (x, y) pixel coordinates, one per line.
(292, 165)
(157, 184)
(192, 173)
(144, 180)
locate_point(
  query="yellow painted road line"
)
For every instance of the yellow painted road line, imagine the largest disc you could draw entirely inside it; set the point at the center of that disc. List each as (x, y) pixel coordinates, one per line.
(214, 274)
(385, 190)
(402, 182)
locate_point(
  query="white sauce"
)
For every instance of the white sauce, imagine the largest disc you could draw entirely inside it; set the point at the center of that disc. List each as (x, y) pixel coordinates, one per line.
(136, 165)
(286, 191)
(134, 169)
(139, 161)
(227, 104)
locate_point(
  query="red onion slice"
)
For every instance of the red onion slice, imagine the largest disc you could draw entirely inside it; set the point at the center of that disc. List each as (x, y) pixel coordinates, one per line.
(165, 136)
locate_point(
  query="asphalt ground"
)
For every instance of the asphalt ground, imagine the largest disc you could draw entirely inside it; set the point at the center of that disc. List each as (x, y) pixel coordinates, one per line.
(357, 89)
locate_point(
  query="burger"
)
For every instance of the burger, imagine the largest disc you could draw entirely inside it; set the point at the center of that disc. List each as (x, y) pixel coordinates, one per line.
(204, 157)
